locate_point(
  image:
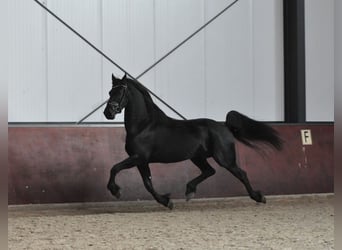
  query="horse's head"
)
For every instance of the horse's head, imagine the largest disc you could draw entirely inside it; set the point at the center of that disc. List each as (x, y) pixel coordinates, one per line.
(117, 97)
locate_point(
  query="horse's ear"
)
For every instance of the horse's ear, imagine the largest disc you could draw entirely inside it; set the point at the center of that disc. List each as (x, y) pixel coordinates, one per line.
(124, 77)
(114, 80)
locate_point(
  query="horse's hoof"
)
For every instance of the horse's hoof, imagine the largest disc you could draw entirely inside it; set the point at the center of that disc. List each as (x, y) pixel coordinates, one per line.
(263, 199)
(259, 197)
(170, 205)
(115, 191)
(167, 201)
(189, 196)
(118, 194)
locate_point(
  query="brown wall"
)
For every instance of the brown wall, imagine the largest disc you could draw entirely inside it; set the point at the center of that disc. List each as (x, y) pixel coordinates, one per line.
(72, 164)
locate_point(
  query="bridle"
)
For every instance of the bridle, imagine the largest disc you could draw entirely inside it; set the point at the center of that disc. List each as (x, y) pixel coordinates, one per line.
(118, 106)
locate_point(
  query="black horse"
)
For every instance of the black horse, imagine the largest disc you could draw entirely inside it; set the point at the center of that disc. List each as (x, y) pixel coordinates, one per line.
(152, 136)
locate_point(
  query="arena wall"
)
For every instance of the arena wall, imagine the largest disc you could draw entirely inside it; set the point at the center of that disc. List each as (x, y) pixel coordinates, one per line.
(57, 164)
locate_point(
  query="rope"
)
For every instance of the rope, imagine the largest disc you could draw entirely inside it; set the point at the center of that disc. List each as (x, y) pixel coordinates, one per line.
(110, 60)
(187, 39)
(145, 71)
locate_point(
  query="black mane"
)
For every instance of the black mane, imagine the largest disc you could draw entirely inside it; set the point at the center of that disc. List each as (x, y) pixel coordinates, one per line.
(147, 97)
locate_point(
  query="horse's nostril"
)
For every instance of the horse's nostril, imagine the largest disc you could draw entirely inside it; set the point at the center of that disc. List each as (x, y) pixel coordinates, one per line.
(114, 106)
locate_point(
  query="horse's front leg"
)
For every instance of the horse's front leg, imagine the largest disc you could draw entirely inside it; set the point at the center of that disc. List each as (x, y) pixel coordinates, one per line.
(145, 172)
(125, 164)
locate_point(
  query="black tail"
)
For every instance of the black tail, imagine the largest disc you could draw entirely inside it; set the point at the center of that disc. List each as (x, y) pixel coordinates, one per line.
(247, 131)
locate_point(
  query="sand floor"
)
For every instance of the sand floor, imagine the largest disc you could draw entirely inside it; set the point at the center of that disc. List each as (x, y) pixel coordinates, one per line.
(285, 222)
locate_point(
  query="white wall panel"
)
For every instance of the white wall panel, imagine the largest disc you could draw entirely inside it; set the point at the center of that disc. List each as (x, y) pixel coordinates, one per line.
(74, 69)
(268, 65)
(128, 39)
(338, 60)
(235, 63)
(319, 37)
(27, 66)
(229, 60)
(180, 79)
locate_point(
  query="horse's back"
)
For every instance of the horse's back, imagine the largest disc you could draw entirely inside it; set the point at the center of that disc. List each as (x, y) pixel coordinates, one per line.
(180, 140)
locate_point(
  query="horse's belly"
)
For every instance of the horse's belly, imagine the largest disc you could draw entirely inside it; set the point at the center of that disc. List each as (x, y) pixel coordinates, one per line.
(169, 152)
(165, 156)
(167, 145)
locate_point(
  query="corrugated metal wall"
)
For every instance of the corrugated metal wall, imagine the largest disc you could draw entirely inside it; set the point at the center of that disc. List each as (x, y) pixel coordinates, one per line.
(319, 38)
(236, 63)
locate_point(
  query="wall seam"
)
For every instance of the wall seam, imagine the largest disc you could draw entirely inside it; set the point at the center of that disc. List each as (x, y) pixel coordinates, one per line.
(154, 45)
(100, 10)
(252, 56)
(205, 60)
(46, 59)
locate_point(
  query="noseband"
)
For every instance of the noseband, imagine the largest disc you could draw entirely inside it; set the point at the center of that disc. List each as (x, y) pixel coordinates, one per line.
(113, 104)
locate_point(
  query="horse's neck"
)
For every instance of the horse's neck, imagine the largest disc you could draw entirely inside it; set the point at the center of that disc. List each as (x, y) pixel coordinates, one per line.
(140, 110)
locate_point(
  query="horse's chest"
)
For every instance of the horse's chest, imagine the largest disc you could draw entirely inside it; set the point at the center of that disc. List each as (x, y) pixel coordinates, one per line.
(138, 145)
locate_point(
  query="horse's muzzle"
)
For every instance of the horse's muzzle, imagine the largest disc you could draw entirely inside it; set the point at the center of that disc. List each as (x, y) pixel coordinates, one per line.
(112, 109)
(109, 114)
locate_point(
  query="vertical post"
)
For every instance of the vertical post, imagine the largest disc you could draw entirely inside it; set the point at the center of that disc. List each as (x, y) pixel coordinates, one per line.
(294, 60)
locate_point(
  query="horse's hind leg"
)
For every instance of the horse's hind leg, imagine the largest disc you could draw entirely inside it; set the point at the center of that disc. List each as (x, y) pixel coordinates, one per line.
(145, 172)
(206, 170)
(227, 159)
